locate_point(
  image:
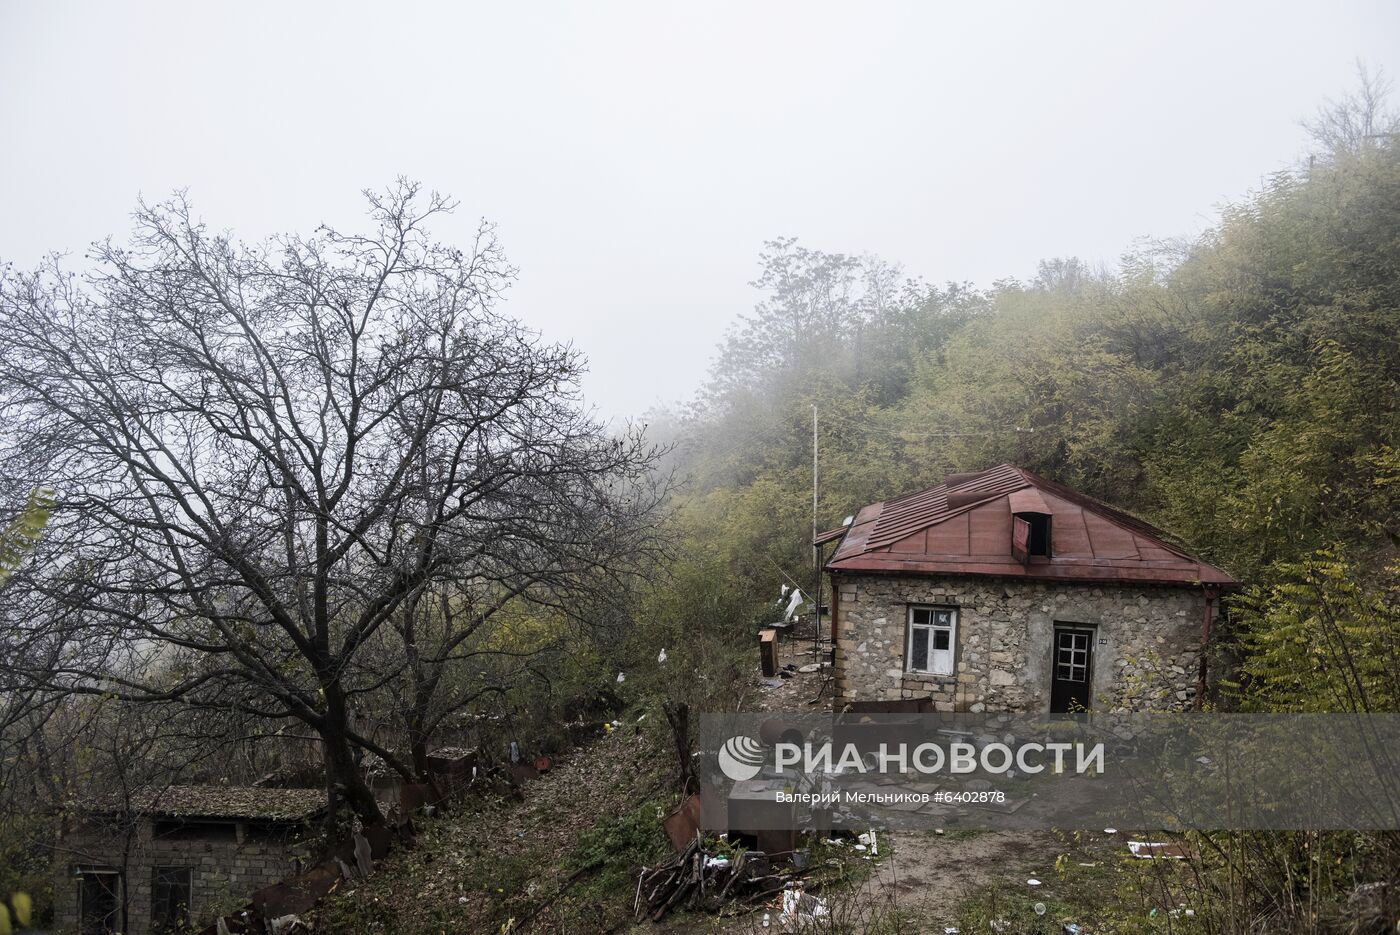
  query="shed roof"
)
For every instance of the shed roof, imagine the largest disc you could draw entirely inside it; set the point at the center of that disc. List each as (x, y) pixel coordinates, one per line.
(963, 526)
(228, 803)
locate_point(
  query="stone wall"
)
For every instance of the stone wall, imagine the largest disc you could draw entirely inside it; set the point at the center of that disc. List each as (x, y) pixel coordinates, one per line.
(1146, 642)
(229, 863)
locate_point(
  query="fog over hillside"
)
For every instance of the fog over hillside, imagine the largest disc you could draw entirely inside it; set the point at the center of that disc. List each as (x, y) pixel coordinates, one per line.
(637, 156)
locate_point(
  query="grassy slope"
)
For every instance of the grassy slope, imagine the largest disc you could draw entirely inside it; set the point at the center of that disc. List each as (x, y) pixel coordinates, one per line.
(559, 860)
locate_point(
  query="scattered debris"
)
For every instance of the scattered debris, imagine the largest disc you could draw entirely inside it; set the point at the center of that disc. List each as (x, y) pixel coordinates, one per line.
(800, 908)
(287, 925)
(1157, 850)
(698, 879)
(363, 862)
(768, 653)
(661, 657)
(683, 823)
(793, 603)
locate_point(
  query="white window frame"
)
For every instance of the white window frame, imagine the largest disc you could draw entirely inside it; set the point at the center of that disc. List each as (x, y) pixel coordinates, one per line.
(925, 622)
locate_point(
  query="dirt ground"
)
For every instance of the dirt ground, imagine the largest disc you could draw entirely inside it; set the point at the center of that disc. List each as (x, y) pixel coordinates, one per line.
(928, 876)
(922, 876)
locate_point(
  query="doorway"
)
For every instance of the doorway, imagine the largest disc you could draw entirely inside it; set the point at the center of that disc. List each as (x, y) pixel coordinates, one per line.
(99, 898)
(1071, 669)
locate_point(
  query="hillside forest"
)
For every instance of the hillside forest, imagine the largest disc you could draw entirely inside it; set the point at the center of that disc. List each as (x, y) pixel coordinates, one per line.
(315, 507)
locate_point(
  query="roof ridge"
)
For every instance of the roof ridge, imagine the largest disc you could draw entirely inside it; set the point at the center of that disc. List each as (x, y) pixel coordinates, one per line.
(1149, 554)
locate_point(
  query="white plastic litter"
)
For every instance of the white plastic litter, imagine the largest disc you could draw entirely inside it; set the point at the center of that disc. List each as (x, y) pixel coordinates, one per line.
(794, 602)
(287, 923)
(661, 657)
(801, 907)
(1032, 882)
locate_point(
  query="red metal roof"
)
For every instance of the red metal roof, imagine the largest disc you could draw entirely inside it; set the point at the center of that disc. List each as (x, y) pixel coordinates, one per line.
(963, 527)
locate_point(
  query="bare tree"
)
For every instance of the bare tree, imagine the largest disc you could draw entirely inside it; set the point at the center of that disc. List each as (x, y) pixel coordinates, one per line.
(262, 454)
(1357, 121)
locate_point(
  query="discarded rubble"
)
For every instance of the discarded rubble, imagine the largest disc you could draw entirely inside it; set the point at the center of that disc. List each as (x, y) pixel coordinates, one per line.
(715, 879)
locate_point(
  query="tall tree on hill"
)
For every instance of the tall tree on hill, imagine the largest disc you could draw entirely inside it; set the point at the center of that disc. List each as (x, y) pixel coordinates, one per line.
(263, 453)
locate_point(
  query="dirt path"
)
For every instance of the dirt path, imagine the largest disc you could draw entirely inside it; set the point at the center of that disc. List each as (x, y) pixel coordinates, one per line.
(928, 876)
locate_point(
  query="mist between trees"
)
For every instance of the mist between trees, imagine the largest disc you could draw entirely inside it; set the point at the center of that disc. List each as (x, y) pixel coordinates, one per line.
(317, 504)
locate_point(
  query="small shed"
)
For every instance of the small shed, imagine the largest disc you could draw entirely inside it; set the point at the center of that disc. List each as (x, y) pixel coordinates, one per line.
(163, 858)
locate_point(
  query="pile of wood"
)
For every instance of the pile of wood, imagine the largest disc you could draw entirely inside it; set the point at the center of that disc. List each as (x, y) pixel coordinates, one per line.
(685, 879)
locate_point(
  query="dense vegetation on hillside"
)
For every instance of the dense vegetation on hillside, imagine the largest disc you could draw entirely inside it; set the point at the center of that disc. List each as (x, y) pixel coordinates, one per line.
(1239, 390)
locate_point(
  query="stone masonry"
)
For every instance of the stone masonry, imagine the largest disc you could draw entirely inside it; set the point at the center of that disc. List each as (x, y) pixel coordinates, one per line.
(1146, 643)
(229, 862)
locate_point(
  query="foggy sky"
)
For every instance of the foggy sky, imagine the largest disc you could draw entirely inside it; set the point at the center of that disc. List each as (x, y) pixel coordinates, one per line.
(637, 155)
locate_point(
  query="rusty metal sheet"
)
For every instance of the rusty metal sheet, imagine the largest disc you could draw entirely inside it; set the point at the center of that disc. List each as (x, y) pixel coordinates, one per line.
(990, 529)
(1020, 539)
(917, 543)
(682, 823)
(949, 537)
(1027, 500)
(964, 527)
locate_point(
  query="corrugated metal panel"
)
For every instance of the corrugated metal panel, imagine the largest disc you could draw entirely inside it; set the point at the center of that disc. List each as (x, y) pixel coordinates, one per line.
(929, 532)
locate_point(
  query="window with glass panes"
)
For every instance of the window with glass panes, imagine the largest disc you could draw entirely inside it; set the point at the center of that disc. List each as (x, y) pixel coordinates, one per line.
(932, 636)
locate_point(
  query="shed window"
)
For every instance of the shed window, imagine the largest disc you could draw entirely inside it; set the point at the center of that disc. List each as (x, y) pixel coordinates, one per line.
(170, 899)
(932, 636)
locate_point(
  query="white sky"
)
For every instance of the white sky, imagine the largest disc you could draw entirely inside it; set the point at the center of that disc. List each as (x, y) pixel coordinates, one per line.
(637, 155)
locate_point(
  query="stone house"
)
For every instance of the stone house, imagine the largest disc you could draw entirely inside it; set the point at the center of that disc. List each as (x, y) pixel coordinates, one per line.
(1003, 591)
(167, 858)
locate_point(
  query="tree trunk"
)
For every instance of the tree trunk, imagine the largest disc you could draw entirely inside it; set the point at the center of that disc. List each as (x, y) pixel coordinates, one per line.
(341, 767)
(678, 716)
(418, 750)
(416, 719)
